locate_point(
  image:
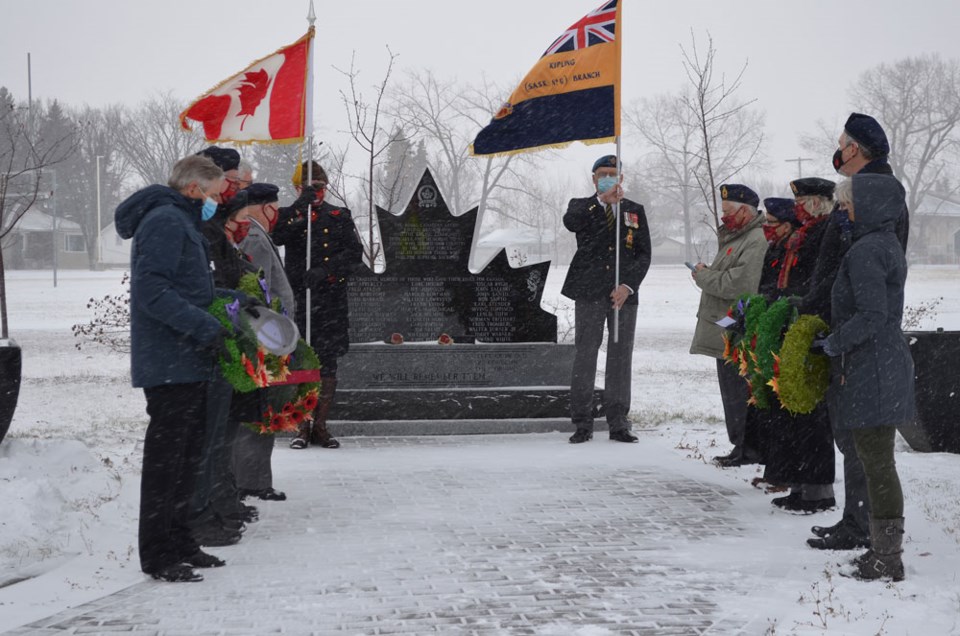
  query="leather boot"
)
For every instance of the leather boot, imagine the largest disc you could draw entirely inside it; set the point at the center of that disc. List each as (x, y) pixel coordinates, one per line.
(883, 560)
(302, 440)
(320, 436)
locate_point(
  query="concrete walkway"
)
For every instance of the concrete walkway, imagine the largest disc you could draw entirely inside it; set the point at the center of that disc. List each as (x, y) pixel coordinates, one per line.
(495, 534)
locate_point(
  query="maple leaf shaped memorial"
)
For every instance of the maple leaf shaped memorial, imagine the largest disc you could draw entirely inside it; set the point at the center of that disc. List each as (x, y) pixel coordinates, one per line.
(427, 289)
(252, 89)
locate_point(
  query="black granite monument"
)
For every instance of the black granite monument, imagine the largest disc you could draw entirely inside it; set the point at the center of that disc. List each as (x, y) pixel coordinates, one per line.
(437, 349)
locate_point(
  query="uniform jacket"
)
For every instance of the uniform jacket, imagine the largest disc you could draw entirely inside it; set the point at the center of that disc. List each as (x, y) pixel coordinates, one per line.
(592, 271)
(228, 264)
(872, 380)
(735, 271)
(772, 260)
(170, 288)
(264, 255)
(336, 253)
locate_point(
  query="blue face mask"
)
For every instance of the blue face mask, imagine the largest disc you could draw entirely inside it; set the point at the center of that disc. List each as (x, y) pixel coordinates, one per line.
(605, 183)
(209, 209)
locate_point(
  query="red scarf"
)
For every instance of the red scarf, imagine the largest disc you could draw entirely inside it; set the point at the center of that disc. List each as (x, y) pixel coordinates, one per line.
(794, 243)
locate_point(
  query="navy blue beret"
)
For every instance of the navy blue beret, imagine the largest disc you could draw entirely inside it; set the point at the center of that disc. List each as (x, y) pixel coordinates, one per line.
(225, 158)
(254, 194)
(867, 132)
(607, 161)
(813, 187)
(736, 193)
(781, 209)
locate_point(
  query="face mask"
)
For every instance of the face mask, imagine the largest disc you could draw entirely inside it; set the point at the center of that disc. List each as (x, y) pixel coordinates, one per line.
(838, 159)
(271, 220)
(802, 215)
(730, 222)
(209, 209)
(605, 183)
(238, 230)
(770, 233)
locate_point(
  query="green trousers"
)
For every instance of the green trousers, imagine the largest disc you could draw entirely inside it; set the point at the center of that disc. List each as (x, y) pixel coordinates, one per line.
(875, 448)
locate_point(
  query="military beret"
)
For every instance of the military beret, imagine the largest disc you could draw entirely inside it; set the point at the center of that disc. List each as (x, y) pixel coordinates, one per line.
(867, 132)
(317, 173)
(607, 161)
(736, 193)
(781, 209)
(225, 158)
(812, 187)
(254, 194)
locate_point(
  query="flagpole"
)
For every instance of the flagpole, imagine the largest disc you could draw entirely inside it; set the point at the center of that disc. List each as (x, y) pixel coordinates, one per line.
(616, 268)
(311, 19)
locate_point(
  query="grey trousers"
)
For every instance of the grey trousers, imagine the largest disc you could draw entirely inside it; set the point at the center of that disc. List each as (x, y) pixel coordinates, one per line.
(252, 453)
(734, 392)
(856, 500)
(590, 317)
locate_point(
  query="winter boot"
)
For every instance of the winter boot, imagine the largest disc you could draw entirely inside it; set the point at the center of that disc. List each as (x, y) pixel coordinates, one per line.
(302, 440)
(883, 560)
(320, 436)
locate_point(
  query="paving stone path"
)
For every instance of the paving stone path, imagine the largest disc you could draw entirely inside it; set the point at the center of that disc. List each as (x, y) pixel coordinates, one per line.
(500, 534)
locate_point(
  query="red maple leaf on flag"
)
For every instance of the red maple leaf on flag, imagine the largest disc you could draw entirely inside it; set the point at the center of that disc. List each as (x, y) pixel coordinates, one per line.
(253, 89)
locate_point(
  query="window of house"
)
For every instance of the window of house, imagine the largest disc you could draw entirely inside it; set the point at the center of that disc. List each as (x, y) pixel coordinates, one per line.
(74, 243)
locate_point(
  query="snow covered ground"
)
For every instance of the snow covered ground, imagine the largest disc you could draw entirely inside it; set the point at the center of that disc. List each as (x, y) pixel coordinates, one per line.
(69, 470)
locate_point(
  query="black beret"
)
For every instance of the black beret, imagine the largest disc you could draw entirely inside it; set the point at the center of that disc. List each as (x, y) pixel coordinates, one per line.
(867, 132)
(225, 158)
(253, 194)
(813, 187)
(781, 209)
(736, 193)
(607, 161)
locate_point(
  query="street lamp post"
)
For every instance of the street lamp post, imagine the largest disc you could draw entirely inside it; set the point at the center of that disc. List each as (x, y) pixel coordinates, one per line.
(99, 228)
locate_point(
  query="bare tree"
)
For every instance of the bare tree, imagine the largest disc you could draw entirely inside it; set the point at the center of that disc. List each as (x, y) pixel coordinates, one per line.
(917, 101)
(26, 151)
(151, 139)
(368, 131)
(731, 132)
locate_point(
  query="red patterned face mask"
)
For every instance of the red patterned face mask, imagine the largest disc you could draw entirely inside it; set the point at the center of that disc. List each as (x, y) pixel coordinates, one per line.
(770, 233)
(730, 222)
(802, 215)
(237, 230)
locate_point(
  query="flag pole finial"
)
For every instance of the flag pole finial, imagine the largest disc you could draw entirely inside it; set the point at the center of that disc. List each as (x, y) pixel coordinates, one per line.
(311, 15)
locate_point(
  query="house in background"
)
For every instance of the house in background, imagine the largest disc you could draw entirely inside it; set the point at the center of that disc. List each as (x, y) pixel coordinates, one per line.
(31, 243)
(935, 231)
(115, 251)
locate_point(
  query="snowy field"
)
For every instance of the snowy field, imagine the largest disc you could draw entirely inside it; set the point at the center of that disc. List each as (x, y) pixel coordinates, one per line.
(69, 467)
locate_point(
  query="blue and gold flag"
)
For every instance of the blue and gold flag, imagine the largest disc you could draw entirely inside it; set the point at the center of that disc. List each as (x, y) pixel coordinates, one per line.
(571, 94)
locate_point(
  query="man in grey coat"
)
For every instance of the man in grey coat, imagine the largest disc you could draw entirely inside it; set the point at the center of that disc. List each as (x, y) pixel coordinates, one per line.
(735, 271)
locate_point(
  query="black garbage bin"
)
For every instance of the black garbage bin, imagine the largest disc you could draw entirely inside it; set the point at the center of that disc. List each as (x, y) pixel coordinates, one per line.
(936, 364)
(10, 363)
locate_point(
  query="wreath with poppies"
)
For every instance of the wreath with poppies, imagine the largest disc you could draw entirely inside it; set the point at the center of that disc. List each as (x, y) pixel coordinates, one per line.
(291, 383)
(801, 377)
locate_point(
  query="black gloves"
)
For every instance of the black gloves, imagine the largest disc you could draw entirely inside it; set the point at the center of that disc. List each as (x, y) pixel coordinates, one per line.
(307, 196)
(218, 346)
(252, 306)
(821, 346)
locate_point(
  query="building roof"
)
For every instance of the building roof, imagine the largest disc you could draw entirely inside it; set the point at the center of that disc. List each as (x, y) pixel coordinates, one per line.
(36, 221)
(938, 205)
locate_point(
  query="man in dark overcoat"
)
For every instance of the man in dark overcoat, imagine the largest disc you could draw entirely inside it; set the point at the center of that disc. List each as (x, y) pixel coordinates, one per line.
(335, 253)
(598, 295)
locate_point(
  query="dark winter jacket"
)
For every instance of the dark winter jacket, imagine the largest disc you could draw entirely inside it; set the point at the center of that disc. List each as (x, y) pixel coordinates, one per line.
(872, 379)
(170, 288)
(229, 265)
(772, 260)
(592, 271)
(835, 244)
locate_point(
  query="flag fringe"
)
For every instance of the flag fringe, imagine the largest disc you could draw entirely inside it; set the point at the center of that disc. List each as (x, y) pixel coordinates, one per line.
(183, 118)
(556, 146)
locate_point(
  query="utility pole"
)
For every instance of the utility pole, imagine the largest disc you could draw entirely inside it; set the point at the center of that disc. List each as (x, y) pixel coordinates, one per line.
(99, 230)
(799, 161)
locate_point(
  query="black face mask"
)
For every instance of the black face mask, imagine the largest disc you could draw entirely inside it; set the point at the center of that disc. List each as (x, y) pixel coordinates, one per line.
(838, 159)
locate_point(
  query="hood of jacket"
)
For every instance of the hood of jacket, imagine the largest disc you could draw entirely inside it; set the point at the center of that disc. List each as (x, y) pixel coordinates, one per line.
(130, 213)
(878, 202)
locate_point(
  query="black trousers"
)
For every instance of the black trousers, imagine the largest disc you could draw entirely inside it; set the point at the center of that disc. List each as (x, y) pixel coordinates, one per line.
(172, 451)
(734, 392)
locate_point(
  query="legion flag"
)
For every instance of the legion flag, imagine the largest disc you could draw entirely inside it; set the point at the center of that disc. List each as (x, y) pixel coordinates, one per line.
(267, 101)
(571, 94)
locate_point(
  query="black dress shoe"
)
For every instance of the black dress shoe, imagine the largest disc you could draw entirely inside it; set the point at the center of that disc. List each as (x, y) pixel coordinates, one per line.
(785, 502)
(177, 573)
(580, 436)
(624, 436)
(201, 559)
(845, 538)
(736, 452)
(269, 494)
(215, 536)
(810, 506)
(736, 459)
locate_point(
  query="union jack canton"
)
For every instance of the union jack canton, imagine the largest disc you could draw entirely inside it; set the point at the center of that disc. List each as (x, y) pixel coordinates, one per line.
(597, 27)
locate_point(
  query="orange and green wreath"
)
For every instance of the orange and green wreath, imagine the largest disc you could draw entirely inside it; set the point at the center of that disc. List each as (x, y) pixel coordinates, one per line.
(770, 330)
(801, 377)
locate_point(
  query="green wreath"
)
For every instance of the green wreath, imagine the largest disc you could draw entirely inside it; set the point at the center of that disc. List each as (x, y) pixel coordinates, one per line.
(242, 346)
(770, 331)
(803, 377)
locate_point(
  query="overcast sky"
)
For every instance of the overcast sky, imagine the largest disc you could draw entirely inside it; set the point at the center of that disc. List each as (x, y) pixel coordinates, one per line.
(802, 55)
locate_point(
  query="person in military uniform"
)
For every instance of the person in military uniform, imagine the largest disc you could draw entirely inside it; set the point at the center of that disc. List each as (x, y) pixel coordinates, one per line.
(734, 272)
(335, 253)
(863, 148)
(597, 295)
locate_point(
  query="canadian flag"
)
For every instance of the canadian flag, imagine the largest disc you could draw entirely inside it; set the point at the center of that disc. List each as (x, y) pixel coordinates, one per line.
(264, 102)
